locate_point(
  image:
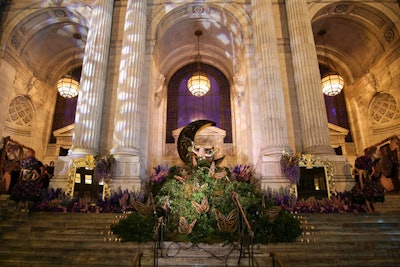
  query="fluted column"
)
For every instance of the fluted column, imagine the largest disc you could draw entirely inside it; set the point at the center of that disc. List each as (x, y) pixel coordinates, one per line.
(313, 118)
(270, 96)
(271, 100)
(86, 137)
(126, 121)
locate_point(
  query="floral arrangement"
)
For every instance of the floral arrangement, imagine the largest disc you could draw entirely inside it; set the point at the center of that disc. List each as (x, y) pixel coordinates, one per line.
(26, 190)
(160, 173)
(200, 205)
(241, 173)
(290, 167)
(121, 201)
(29, 163)
(368, 190)
(104, 166)
(157, 178)
(55, 200)
(342, 202)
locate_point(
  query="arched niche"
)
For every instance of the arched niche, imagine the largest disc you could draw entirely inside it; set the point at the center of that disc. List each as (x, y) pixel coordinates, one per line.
(183, 108)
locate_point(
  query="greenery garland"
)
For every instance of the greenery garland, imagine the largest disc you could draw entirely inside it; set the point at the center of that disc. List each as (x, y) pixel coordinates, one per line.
(197, 206)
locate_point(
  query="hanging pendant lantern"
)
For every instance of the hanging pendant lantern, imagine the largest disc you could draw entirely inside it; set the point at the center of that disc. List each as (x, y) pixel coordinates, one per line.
(68, 86)
(198, 84)
(332, 83)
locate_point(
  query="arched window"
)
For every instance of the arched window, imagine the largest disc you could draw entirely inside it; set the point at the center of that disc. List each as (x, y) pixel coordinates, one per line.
(65, 110)
(183, 107)
(337, 112)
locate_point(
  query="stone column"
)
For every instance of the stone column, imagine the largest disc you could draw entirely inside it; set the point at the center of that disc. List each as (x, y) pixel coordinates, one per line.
(86, 137)
(313, 118)
(126, 121)
(271, 100)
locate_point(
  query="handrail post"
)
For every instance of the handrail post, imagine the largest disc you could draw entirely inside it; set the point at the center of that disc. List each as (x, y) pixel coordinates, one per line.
(250, 231)
(137, 258)
(275, 258)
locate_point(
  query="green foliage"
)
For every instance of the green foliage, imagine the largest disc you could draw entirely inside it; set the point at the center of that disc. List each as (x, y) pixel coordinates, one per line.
(194, 194)
(285, 228)
(262, 229)
(134, 228)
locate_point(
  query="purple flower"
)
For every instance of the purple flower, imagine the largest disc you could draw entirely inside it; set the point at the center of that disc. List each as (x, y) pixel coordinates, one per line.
(160, 173)
(26, 190)
(290, 167)
(241, 173)
(103, 167)
(29, 163)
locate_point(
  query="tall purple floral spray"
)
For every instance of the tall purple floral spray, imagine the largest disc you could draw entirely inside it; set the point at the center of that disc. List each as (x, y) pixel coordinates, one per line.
(104, 167)
(158, 177)
(290, 166)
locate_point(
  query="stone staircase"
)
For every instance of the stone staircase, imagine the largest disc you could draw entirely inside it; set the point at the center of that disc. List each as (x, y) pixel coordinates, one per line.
(84, 239)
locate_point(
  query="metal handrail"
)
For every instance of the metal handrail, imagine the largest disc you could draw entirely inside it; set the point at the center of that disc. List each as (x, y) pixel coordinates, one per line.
(276, 258)
(250, 231)
(137, 258)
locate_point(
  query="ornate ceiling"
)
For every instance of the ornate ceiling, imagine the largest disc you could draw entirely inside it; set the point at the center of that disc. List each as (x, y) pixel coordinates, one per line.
(357, 36)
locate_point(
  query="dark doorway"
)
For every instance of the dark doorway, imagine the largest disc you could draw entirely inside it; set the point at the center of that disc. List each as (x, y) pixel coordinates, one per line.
(312, 183)
(85, 185)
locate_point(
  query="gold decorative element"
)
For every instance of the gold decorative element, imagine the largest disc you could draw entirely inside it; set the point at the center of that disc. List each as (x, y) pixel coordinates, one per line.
(184, 227)
(182, 178)
(216, 175)
(203, 207)
(144, 209)
(69, 191)
(197, 187)
(229, 223)
(272, 212)
(88, 162)
(141, 208)
(211, 172)
(310, 161)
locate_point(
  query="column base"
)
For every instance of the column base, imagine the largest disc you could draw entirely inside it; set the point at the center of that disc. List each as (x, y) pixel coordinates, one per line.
(126, 173)
(124, 151)
(274, 153)
(271, 175)
(320, 150)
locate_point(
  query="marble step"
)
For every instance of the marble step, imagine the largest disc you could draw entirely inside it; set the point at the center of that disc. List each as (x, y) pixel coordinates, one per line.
(80, 239)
